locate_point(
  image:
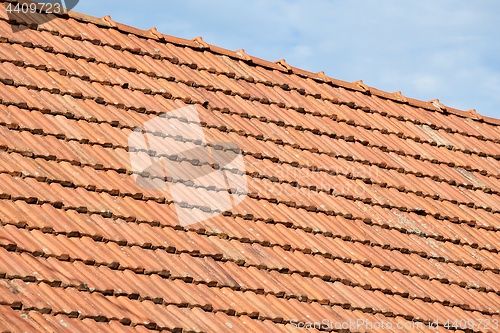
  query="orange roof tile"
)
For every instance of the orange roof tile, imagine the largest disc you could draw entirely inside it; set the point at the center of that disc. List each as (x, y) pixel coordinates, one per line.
(357, 205)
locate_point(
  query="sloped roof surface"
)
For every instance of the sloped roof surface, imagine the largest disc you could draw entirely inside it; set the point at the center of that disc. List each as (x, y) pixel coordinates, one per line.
(361, 204)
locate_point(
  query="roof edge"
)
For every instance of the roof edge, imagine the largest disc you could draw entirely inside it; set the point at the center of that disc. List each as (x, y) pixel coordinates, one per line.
(280, 65)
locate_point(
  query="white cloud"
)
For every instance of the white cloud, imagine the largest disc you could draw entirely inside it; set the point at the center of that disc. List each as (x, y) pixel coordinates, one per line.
(426, 83)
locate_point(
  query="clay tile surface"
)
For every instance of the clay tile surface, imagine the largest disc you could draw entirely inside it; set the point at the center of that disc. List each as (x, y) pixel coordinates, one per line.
(151, 183)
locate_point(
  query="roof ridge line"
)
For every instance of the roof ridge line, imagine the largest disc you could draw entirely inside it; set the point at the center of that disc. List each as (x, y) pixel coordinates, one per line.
(153, 33)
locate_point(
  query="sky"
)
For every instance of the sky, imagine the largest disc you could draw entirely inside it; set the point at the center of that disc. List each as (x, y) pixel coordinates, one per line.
(445, 49)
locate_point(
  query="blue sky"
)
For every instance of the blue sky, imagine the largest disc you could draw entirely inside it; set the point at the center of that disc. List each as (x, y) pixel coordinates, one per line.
(427, 49)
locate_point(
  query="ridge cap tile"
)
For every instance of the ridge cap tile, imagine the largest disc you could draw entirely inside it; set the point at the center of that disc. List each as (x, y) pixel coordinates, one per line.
(243, 55)
(201, 43)
(109, 20)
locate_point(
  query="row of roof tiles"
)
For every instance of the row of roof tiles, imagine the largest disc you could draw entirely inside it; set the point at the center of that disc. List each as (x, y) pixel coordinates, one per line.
(419, 152)
(383, 148)
(113, 38)
(105, 26)
(179, 75)
(122, 163)
(116, 183)
(410, 264)
(111, 283)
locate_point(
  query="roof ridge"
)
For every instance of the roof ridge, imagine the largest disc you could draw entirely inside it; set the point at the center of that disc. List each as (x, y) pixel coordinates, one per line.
(279, 65)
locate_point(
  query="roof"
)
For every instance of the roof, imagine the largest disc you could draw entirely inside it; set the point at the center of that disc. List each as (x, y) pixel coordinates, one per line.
(358, 207)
